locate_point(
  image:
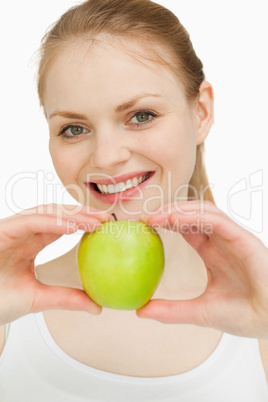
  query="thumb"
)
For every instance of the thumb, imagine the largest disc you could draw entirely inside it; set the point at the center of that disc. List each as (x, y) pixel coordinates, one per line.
(175, 312)
(59, 297)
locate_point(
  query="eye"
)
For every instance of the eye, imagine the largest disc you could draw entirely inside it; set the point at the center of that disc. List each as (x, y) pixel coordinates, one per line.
(75, 130)
(72, 131)
(142, 117)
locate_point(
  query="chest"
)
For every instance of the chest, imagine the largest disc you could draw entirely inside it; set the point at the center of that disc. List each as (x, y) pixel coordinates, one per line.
(121, 343)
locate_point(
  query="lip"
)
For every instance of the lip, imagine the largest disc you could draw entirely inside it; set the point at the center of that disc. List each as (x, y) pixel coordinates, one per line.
(126, 195)
(119, 179)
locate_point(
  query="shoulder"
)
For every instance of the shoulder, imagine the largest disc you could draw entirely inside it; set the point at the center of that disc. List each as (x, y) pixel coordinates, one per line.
(2, 337)
(263, 343)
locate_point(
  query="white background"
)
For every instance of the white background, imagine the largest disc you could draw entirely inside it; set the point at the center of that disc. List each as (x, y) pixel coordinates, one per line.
(231, 39)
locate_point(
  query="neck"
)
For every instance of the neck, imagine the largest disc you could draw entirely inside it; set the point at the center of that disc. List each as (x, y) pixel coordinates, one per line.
(184, 273)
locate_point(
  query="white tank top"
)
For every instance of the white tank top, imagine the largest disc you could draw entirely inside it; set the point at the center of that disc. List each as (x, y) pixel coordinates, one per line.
(33, 368)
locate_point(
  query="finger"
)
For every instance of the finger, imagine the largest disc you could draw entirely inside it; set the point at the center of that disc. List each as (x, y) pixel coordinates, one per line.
(195, 208)
(175, 312)
(208, 223)
(66, 210)
(188, 207)
(58, 297)
(71, 227)
(32, 224)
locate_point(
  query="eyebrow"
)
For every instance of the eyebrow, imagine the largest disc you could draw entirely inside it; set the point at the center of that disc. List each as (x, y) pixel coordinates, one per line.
(119, 109)
(68, 115)
(132, 102)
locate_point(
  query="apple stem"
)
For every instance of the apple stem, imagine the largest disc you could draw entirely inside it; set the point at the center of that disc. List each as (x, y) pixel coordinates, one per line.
(115, 218)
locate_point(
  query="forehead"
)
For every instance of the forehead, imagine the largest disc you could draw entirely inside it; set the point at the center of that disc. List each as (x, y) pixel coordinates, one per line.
(105, 68)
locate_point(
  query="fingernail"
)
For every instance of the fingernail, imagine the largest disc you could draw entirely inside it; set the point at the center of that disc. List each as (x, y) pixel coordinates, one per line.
(143, 218)
(106, 217)
(96, 311)
(138, 314)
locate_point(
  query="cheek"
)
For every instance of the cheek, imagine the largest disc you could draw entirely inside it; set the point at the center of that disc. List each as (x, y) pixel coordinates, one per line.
(66, 161)
(174, 149)
(184, 156)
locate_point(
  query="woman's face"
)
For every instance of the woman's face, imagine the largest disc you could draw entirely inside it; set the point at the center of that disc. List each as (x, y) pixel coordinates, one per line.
(122, 123)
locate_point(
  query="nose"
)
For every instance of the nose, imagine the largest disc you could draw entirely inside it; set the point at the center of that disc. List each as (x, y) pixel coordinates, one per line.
(109, 151)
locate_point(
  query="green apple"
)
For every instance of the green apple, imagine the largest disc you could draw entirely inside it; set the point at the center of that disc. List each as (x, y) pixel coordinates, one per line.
(120, 264)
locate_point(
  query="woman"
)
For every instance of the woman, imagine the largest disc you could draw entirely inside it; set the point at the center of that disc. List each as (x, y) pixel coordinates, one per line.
(125, 98)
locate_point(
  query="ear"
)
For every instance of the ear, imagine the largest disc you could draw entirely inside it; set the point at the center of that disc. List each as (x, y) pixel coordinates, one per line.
(205, 111)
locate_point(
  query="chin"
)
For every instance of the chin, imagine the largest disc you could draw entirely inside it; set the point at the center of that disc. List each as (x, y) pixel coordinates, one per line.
(125, 214)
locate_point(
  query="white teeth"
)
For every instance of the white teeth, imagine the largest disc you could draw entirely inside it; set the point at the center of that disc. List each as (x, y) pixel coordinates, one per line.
(135, 181)
(111, 189)
(121, 186)
(129, 184)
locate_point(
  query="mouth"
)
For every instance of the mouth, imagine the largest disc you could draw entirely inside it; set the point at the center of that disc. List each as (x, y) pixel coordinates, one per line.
(121, 191)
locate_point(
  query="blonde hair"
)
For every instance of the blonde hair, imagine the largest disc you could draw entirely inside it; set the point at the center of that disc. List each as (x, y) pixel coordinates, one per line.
(138, 20)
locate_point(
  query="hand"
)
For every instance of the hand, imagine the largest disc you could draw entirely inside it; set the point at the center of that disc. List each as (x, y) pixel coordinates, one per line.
(22, 237)
(236, 296)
